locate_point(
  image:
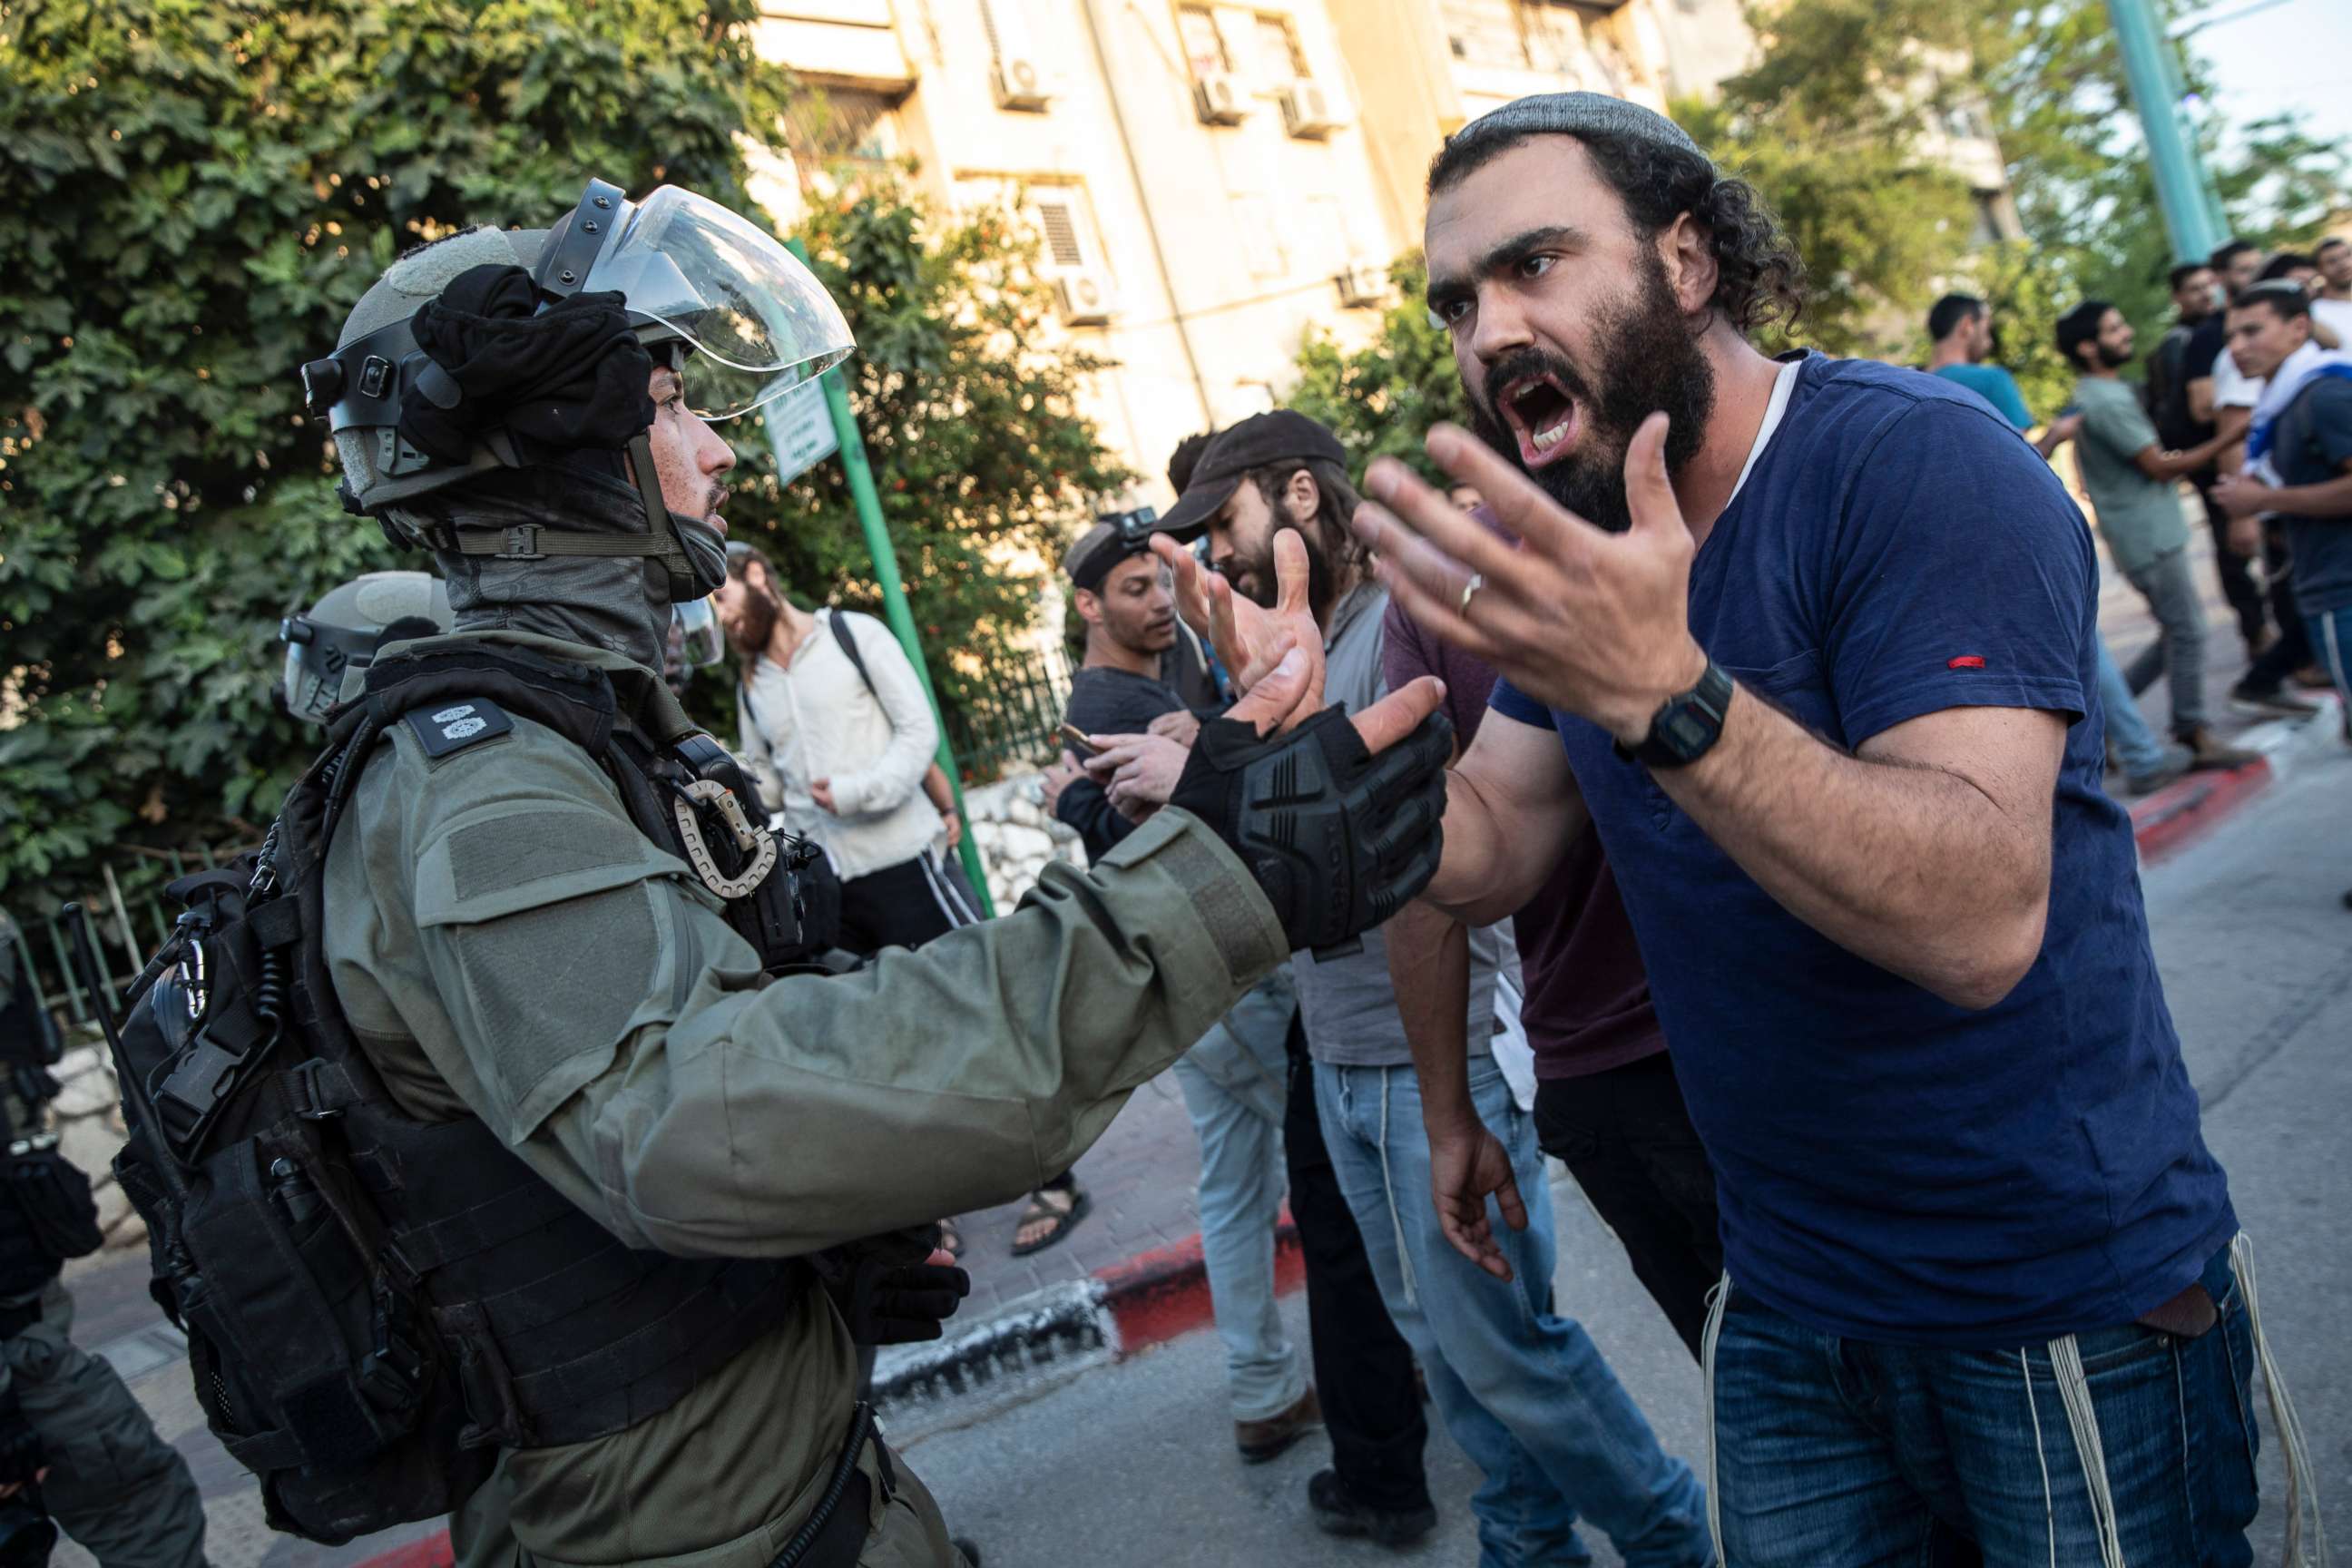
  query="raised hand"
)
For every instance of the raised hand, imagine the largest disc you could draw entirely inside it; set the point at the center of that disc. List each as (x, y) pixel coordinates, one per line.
(1587, 621)
(1250, 640)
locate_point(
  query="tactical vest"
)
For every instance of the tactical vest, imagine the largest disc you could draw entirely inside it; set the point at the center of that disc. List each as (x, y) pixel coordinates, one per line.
(374, 1304)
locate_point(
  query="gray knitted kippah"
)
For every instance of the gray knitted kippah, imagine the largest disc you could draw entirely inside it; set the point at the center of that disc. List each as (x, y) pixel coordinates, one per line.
(1573, 114)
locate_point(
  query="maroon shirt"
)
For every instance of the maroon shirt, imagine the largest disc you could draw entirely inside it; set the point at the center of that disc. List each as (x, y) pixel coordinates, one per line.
(1587, 997)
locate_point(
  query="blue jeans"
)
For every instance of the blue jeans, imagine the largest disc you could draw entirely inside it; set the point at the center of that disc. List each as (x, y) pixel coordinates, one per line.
(2136, 744)
(1233, 1081)
(1523, 1392)
(1837, 1454)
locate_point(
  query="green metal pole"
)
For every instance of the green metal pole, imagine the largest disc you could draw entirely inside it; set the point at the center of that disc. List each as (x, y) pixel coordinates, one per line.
(868, 502)
(2181, 186)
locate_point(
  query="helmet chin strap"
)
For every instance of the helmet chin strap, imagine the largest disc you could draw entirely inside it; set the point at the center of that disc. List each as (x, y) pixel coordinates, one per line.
(661, 542)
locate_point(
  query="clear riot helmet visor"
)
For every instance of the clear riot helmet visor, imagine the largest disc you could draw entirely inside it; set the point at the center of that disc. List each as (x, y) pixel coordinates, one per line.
(701, 639)
(757, 319)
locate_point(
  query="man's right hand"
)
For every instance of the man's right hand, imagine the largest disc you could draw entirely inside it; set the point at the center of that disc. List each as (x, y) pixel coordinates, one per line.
(1465, 1164)
(1250, 640)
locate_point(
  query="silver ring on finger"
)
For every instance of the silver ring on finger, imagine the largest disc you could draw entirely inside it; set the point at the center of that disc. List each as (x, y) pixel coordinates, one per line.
(1469, 591)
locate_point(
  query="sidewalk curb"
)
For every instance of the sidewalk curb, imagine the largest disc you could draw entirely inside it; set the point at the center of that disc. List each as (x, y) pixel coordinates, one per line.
(1118, 1311)
(2188, 808)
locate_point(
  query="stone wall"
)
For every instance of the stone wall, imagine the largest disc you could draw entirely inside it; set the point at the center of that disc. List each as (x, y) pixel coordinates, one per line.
(1007, 819)
(88, 1116)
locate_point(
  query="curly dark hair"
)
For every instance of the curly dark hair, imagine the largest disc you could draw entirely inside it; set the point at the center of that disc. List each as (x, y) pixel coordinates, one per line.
(1760, 279)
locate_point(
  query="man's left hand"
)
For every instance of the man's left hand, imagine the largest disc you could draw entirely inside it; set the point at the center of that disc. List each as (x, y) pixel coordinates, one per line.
(1060, 776)
(894, 1289)
(1584, 620)
(1138, 773)
(952, 826)
(1180, 726)
(2242, 497)
(821, 792)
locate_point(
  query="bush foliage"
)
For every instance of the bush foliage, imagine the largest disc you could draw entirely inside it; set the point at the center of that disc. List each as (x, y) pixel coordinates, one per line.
(198, 194)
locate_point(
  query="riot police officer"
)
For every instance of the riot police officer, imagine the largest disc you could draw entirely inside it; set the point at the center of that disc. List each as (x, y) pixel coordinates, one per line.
(329, 648)
(74, 1443)
(624, 1150)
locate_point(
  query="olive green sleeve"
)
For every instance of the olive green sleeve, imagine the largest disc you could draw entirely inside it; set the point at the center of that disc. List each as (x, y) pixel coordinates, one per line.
(822, 1108)
(618, 1034)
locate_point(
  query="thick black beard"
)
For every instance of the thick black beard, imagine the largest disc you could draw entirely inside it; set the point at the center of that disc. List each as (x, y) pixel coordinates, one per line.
(1267, 587)
(2113, 360)
(1649, 360)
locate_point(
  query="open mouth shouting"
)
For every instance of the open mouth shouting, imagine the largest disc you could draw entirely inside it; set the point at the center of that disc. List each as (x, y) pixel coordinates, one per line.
(1542, 412)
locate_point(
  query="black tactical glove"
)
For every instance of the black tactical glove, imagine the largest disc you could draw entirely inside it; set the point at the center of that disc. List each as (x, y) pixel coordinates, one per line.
(22, 1458)
(887, 1293)
(1340, 839)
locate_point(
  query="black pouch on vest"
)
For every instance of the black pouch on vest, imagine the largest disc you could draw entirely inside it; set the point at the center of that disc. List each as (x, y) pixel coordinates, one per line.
(56, 1202)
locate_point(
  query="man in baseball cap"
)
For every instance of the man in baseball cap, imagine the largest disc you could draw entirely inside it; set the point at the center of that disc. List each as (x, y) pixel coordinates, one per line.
(1298, 477)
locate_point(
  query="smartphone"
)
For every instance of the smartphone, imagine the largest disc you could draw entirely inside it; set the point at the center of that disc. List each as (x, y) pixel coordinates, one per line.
(1079, 740)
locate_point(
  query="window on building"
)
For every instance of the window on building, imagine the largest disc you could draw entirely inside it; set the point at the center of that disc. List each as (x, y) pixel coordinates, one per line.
(1065, 225)
(1279, 57)
(842, 126)
(1205, 46)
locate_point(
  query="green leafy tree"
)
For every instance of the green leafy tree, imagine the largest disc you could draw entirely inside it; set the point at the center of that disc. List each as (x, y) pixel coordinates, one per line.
(198, 195)
(1381, 399)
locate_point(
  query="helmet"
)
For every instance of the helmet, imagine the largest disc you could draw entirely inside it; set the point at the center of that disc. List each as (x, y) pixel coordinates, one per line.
(343, 630)
(692, 276)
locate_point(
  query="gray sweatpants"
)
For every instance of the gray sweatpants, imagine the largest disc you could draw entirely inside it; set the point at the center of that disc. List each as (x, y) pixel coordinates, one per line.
(114, 1486)
(2178, 655)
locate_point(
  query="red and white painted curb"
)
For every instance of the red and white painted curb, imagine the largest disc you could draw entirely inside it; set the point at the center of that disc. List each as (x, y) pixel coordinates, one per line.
(1113, 1313)
(2190, 806)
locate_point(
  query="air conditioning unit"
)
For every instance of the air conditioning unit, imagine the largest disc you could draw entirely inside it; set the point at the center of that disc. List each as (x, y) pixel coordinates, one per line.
(1019, 84)
(1219, 101)
(1363, 285)
(1306, 111)
(1085, 298)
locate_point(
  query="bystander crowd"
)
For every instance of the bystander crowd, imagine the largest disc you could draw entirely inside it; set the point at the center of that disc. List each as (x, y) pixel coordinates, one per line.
(2135, 490)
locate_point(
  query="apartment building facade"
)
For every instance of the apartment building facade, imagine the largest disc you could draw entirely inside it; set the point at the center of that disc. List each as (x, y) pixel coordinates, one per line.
(1213, 181)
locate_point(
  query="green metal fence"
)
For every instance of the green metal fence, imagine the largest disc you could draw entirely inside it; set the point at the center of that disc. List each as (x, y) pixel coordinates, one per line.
(125, 928)
(1007, 715)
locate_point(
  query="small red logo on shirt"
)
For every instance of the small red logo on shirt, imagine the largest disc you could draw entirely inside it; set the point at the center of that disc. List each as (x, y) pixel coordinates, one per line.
(1966, 661)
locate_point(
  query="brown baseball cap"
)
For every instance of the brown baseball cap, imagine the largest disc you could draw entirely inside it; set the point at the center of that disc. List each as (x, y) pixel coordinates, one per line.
(1259, 441)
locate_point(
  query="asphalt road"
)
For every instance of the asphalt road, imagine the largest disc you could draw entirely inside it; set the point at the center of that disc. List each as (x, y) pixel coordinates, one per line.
(1134, 1463)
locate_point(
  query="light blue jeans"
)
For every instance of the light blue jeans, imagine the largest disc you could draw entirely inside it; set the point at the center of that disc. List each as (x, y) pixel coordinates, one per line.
(1523, 1391)
(1233, 1080)
(2136, 744)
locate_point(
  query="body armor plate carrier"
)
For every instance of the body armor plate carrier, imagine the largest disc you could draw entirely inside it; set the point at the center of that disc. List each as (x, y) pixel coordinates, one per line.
(375, 1303)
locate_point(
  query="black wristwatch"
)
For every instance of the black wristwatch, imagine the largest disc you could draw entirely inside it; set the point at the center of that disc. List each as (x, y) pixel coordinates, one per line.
(1686, 725)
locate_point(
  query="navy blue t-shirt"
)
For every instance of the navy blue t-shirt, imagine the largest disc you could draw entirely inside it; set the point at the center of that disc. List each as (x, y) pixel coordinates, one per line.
(1891, 1166)
(2313, 445)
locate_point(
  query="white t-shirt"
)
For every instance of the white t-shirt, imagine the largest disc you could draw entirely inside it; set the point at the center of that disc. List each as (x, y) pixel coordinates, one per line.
(2232, 389)
(2336, 315)
(815, 720)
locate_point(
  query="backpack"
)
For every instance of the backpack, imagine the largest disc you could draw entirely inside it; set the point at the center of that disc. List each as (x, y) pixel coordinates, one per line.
(375, 1303)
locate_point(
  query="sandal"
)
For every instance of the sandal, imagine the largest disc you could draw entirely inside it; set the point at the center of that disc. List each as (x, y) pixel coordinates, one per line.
(1064, 1214)
(950, 1238)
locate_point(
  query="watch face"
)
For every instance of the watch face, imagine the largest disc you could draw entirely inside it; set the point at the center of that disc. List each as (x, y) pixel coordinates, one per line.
(1684, 732)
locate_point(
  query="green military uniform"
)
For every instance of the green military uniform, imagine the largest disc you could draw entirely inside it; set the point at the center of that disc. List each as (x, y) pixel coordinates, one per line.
(507, 944)
(114, 1484)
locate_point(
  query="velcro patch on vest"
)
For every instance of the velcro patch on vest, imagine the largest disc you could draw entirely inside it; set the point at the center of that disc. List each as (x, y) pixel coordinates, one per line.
(448, 727)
